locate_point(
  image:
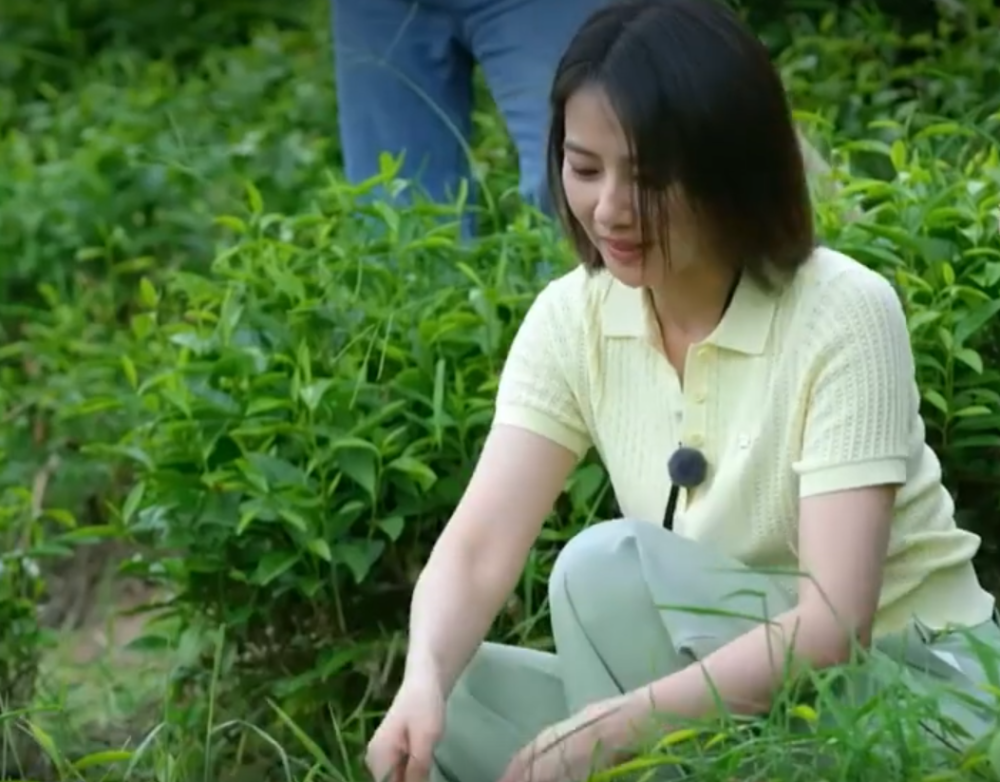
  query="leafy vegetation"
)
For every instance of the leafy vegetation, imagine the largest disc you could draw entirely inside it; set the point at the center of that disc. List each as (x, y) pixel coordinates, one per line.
(228, 379)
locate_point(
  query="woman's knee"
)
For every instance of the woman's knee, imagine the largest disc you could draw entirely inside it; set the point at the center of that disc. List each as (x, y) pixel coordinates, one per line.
(497, 672)
(601, 561)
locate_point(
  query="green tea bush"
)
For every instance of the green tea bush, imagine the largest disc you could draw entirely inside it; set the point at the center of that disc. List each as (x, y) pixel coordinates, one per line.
(24, 548)
(112, 178)
(20, 636)
(112, 167)
(123, 173)
(314, 412)
(854, 66)
(45, 41)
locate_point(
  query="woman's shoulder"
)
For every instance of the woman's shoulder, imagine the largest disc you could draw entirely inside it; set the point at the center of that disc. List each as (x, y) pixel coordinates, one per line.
(828, 270)
(837, 285)
(574, 298)
(577, 285)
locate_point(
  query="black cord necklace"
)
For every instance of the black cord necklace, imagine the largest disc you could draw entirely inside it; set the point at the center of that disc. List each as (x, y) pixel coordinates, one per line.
(687, 467)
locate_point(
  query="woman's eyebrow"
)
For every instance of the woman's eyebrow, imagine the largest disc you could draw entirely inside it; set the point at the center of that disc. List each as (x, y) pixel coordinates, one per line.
(572, 146)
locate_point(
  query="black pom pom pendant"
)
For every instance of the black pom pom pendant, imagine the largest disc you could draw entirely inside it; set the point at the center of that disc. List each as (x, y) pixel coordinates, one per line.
(687, 467)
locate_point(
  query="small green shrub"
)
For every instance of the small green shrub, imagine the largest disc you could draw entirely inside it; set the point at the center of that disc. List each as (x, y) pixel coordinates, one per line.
(313, 413)
(123, 173)
(21, 588)
(852, 66)
(24, 549)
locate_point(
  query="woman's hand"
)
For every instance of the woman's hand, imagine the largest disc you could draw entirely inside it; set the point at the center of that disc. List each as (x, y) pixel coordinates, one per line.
(402, 748)
(594, 739)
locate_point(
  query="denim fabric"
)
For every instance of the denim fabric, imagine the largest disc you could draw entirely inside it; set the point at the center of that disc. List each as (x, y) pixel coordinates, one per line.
(404, 74)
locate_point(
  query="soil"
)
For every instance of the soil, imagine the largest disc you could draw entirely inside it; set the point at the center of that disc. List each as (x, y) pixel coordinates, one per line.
(93, 607)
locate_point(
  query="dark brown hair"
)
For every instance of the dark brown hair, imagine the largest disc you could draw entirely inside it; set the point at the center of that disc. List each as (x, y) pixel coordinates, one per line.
(704, 109)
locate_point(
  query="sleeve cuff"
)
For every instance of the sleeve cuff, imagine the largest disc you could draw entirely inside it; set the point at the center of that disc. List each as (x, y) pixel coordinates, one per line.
(544, 425)
(858, 475)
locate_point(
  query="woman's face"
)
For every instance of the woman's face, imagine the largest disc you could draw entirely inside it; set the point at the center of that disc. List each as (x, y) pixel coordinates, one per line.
(599, 180)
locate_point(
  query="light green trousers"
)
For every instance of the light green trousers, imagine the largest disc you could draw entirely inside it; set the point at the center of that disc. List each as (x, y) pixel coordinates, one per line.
(623, 598)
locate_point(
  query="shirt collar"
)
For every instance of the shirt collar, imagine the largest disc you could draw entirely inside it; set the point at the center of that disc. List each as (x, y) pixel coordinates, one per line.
(627, 313)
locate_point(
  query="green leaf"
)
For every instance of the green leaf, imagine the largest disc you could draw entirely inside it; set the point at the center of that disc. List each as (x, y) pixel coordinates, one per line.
(261, 405)
(321, 549)
(272, 565)
(46, 742)
(231, 222)
(948, 273)
(130, 374)
(294, 519)
(312, 394)
(254, 200)
(585, 485)
(898, 154)
(973, 411)
(133, 501)
(148, 296)
(105, 758)
(971, 359)
(923, 318)
(935, 399)
(415, 469)
(314, 749)
(277, 471)
(361, 466)
(89, 534)
(149, 643)
(974, 320)
(359, 556)
(392, 526)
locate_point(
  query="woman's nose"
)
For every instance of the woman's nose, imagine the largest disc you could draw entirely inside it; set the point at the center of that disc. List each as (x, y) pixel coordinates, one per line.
(614, 205)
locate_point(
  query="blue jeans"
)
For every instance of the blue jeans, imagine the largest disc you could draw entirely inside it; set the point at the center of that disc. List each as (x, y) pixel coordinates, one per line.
(404, 73)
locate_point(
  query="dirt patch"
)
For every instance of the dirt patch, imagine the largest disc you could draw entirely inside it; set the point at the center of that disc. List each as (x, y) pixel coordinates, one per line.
(111, 627)
(96, 611)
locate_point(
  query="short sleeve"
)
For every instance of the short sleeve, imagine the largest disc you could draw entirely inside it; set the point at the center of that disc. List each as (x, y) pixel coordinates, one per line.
(538, 384)
(863, 399)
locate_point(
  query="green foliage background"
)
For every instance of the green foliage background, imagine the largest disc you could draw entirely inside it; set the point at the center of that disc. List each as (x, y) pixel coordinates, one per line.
(210, 359)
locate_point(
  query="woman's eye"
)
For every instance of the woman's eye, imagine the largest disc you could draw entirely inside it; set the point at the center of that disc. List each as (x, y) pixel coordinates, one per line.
(584, 172)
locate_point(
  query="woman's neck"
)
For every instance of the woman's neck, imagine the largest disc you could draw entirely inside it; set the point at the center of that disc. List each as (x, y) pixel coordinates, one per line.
(693, 302)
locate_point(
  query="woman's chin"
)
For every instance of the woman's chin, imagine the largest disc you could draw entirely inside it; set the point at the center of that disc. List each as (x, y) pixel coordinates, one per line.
(627, 273)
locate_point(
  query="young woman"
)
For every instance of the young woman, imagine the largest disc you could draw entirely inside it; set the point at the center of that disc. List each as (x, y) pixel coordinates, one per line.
(703, 315)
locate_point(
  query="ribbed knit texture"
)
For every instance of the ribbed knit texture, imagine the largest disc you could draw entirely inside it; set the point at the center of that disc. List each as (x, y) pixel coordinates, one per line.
(807, 390)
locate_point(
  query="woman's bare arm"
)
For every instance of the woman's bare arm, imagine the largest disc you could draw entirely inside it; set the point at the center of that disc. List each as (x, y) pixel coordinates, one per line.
(478, 559)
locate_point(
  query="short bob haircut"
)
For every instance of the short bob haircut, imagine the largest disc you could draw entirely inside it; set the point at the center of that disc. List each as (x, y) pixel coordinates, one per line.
(704, 110)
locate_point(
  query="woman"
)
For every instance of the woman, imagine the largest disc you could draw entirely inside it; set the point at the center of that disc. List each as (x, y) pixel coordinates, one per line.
(702, 314)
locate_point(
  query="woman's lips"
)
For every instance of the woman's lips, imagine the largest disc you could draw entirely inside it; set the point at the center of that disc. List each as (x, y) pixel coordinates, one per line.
(622, 251)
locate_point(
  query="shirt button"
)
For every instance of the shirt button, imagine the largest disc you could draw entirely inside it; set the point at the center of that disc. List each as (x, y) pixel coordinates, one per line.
(699, 397)
(696, 439)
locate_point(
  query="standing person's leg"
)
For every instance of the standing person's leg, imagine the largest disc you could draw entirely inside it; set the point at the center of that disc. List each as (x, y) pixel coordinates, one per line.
(518, 44)
(404, 85)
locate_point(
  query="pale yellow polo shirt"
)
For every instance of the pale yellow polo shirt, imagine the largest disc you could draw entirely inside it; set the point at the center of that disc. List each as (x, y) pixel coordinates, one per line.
(804, 390)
